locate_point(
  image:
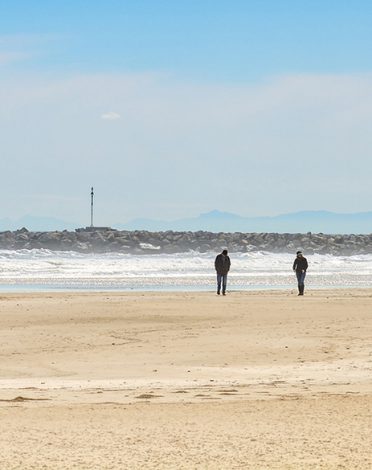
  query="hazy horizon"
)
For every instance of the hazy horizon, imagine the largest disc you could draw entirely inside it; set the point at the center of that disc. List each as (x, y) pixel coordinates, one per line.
(215, 221)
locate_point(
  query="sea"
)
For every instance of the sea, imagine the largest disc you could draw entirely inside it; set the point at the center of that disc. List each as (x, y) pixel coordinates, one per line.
(46, 270)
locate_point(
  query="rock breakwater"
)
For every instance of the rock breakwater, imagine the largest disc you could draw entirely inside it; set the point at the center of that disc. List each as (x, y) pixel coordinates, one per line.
(144, 242)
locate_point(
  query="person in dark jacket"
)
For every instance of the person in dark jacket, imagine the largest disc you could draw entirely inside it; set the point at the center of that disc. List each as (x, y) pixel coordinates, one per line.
(300, 266)
(222, 264)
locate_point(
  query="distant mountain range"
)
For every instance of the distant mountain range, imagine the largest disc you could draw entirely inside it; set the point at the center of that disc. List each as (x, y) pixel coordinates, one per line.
(298, 222)
(217, 221)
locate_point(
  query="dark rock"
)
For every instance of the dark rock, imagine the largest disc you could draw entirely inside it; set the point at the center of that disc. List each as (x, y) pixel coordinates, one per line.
(141, 241)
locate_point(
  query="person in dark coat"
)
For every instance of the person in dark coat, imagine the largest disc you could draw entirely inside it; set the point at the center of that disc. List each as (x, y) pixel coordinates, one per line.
(222, 264)
(300, 266)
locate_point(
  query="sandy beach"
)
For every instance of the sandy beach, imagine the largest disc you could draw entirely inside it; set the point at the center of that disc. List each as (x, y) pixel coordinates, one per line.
(254, 380)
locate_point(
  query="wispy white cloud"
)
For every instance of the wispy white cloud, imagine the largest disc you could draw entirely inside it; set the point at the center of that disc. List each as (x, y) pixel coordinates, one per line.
(110, 116)
(11, 57)
(26, 40)
(20, 47)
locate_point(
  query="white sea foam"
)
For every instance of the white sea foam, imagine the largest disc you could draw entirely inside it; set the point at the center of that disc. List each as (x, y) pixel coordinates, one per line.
(45, 269)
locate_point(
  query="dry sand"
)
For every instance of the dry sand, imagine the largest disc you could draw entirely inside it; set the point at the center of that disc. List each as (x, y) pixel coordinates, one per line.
(253, 380)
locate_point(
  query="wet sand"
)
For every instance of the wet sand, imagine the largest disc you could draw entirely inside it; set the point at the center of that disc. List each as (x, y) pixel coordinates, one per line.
(186, 380)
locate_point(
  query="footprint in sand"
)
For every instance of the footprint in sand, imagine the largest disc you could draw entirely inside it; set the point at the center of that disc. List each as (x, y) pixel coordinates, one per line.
(148, 395)
(228, 392)
(22, 399)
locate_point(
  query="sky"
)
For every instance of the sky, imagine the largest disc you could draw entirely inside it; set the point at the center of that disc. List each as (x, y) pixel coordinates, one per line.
(171, 108)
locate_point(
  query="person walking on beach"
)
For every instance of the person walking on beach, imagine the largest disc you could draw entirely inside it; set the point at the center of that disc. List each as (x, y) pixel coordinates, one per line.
(300, 266)
(222, 264)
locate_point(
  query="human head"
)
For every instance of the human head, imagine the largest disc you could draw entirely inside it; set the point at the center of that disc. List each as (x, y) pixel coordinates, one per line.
(299, 254)
(224, 252)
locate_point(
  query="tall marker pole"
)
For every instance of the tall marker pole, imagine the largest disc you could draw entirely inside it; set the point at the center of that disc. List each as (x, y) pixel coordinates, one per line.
(91, 206)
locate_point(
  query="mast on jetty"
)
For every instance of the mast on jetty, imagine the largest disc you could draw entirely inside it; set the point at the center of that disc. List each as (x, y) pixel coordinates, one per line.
(91, 206)
(92, 228)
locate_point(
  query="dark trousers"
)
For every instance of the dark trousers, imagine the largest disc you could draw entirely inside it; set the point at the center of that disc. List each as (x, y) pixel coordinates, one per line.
(221, 278)
(301, 281)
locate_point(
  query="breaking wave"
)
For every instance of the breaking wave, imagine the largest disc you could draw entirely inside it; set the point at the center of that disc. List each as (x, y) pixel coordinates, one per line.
(42, 269)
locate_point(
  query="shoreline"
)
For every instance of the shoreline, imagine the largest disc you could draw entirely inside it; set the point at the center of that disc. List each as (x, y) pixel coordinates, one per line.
(171, 273)
(33, 289)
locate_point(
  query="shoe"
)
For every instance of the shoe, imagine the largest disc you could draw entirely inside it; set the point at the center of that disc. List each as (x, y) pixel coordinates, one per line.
(223, 293)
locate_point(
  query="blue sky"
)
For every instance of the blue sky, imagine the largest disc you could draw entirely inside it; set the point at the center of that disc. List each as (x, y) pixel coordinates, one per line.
(230, 41)
(174, 108)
